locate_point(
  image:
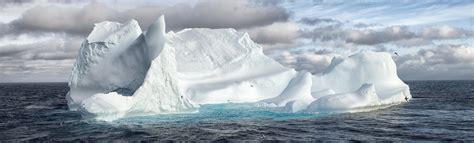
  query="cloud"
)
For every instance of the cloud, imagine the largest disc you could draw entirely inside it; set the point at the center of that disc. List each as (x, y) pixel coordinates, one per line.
(49, 59)
(205, 14)
(445, 32)
(8, 2)
(35, 71)
(442, 62)
(373, 37)
(401, 36)
(316, 21)
(55, 18)
(279, 32)
(365, 25)
(51, 49)
(214, 14)
(326, 33)
(267, 2)
(5, 29)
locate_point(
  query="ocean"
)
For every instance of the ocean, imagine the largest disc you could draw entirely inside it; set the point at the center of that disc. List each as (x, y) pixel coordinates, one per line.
(439, 111)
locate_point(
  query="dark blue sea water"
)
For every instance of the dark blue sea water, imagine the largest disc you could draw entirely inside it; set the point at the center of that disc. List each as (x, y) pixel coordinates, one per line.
(439, 110)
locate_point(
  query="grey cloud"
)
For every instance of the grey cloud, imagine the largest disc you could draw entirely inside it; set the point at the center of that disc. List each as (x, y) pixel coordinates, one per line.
(5, 29)
(373, 37)
(209, 14)
(7, 2)
(285, 33)
(10, 50)
(49, 60)
(44, 50)
(35, 70)
(315, 21)
(213, 14)
(55, 18)
(448, 54)
(326, 33)
(364, 25)
(445, 32)
(275, 47)
(442, 62)
(19, 2)
(412, 42)
(267, 2)
(397, 35)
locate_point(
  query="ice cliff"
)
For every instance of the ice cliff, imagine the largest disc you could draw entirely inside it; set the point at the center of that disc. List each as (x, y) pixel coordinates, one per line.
(122, 72)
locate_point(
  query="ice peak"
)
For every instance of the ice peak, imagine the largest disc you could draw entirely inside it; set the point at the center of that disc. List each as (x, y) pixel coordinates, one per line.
(158, 26)
(155, 37)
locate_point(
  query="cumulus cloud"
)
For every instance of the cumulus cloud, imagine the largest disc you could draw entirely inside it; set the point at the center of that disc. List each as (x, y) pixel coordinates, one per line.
(442, 62)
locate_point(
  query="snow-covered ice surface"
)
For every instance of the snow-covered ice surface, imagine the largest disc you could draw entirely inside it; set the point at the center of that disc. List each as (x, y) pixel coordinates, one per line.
(223, 65)
(122, 72)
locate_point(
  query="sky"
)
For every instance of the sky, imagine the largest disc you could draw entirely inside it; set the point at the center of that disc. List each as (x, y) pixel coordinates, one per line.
(39, 39)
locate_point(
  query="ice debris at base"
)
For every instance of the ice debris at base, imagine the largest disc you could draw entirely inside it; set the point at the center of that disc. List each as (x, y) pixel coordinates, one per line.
(122, 72)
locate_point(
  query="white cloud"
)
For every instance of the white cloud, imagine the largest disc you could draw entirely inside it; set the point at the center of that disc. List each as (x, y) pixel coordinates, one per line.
(442, 62)
(444, 32)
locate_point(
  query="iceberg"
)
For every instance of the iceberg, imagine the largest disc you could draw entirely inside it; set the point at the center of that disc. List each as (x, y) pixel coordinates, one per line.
(123, 72)
(138, 77)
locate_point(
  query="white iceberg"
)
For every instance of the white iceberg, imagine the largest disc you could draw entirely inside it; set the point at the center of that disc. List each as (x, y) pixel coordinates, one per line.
(122, 72)
(355, 76)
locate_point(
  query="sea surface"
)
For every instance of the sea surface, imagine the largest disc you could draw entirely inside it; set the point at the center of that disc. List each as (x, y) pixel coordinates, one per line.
(439, 111)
